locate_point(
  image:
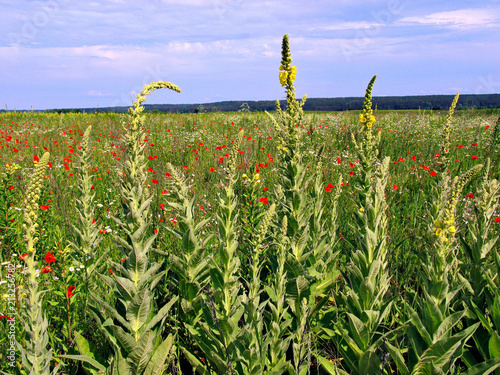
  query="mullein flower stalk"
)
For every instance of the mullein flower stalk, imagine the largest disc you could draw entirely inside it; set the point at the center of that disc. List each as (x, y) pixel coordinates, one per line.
(36, 356)
(136, 333)
(367, 275)
(88, 230)
(311, 261)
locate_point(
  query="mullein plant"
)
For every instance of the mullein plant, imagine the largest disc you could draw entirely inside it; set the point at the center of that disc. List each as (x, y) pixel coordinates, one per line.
(88, 230)
(190, 267)
(310, 259)
(36, 356)
(363, 328)
(435, 339)
(481, 270)
(136, 323)
(218, 332)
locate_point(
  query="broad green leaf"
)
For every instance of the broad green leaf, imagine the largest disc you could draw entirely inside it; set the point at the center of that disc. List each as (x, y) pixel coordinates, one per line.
(330, 367)
(494, 346)
(157, 365)
(138, 310)
(86, 348)
(397, 357)
(126, 341)
(369, 363)
(447, 324)
(484, 368)
(161, 314)
(358, 331)
(141, 354)
(85, 358)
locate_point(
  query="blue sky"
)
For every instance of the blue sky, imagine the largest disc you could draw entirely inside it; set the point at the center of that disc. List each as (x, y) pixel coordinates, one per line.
(64, 53)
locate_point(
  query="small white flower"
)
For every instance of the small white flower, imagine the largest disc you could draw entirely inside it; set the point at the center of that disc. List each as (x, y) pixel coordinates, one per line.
(71, 269)
(55, 278)
(14, 255)
(99, 205)
(82, 266)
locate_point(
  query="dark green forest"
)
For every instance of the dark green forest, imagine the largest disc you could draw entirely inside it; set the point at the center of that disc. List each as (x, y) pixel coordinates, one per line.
(424, 102)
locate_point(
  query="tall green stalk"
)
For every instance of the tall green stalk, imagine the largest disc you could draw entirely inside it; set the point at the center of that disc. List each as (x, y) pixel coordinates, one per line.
(310, 260)
(36, 356)
(138, 323)
(363, 330)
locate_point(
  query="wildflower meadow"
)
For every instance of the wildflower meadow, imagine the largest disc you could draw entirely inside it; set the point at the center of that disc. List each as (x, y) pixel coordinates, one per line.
(360, 242)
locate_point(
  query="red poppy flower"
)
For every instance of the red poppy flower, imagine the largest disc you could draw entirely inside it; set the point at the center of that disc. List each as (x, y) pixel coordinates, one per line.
(168, 175)
(49, 258)
(110, 271)
(221, 160)
(154, 181)
(211, 170)
(496, 220)
(264, 200)
(396, 187)
(469, 195)
(70, 291)
(46, 269)
(474, 157)
(460, 146)
(36, 158)
(339, 160)
(10, 187)
(24, 257)
(433, 173)
(44, 207)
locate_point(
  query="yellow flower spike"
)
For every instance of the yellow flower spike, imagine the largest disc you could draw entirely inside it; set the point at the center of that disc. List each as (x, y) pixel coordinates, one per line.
(283, 76)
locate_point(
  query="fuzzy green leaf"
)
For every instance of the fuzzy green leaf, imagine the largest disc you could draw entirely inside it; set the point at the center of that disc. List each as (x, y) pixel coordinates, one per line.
(156, 365)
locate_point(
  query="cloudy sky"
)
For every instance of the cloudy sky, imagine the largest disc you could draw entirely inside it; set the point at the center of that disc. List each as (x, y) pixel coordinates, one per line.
(64, 53)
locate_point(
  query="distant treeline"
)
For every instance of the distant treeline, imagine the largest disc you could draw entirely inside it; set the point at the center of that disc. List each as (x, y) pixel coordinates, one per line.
(434, 102)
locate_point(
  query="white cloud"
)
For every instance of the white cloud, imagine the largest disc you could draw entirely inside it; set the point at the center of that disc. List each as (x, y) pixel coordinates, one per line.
(463, 18)
(96, 93)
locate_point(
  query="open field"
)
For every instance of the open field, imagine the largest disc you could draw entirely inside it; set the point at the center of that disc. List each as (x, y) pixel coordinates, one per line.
(243, 243)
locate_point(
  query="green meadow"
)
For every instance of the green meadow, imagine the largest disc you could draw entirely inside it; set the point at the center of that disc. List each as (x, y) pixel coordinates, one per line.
(360, 242)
